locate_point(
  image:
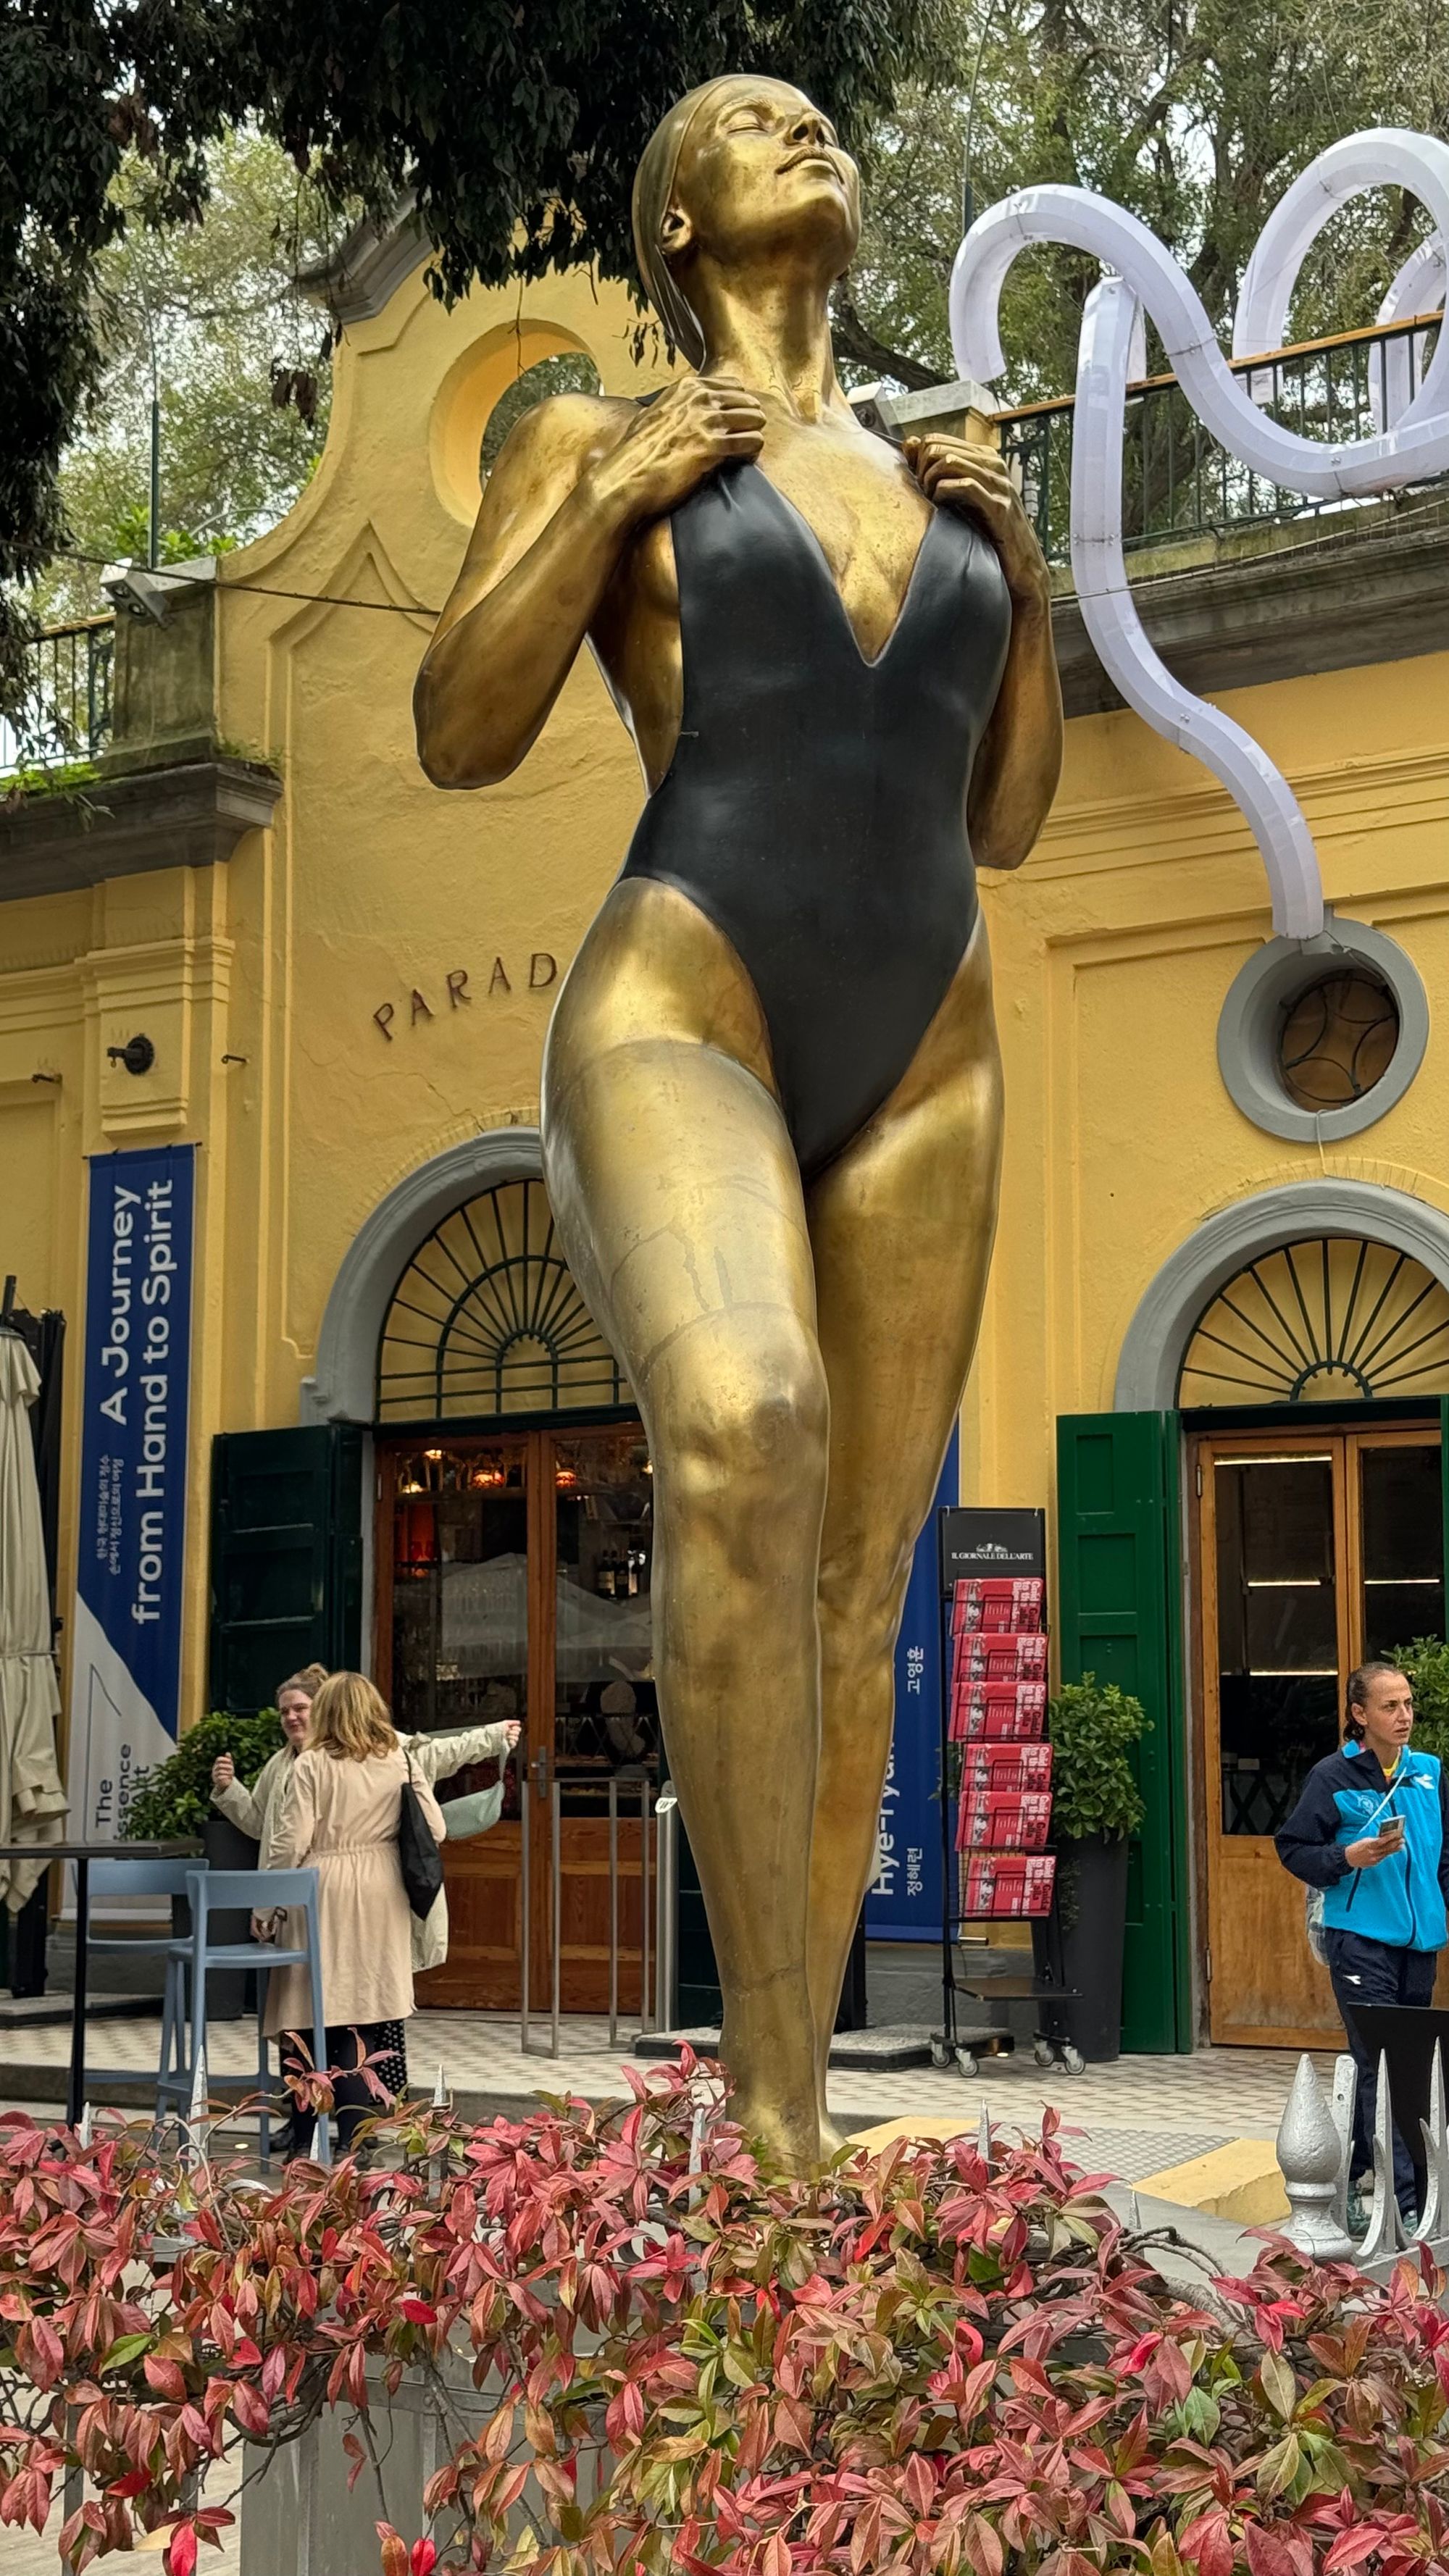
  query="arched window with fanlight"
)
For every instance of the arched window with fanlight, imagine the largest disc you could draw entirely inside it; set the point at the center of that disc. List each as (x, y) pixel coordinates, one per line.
(487, 1321)
(1331, 1320)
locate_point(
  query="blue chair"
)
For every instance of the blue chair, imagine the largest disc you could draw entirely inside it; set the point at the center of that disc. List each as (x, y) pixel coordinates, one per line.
(128, 1878)
(263, 1891)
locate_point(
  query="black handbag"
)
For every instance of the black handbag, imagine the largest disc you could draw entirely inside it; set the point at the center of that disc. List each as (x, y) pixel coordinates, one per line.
(419, 1857)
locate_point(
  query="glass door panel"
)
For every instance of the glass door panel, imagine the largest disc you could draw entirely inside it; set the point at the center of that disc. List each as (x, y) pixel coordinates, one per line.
(454, 1651)
(460, 1587)
(1401, 1545)
(606, 1725)
(1277, 1632)
(606, 1712)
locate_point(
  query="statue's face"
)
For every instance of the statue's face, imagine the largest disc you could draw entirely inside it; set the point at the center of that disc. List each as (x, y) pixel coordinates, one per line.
(761, 167)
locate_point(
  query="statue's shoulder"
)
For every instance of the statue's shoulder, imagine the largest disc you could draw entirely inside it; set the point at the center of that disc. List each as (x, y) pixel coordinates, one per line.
(568, 430)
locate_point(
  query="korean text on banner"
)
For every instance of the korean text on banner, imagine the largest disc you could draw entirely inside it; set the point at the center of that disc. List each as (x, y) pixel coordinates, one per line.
(126, 1646)
(903, 1901)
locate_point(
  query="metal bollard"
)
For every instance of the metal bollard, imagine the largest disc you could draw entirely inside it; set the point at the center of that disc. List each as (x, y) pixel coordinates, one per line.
(556, 1904)
(646, 2018)
(666, 1920)
(613, 1911)
(525, 1823)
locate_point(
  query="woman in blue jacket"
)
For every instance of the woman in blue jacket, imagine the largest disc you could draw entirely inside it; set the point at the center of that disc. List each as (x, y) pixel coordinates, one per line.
(1370, 1830)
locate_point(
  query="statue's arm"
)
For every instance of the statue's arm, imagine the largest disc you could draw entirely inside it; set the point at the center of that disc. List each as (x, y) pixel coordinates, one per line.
(545, 545)
(1019, 758)
(573, 485)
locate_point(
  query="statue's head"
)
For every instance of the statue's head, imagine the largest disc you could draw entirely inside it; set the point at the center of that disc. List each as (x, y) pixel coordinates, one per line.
(740, 170)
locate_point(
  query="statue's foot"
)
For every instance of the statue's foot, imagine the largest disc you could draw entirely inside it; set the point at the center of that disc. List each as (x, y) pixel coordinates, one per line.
(832, 2140)
(784, 2136)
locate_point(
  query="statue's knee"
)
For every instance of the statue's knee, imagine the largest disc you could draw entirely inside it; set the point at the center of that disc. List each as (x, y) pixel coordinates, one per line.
(759, 1435)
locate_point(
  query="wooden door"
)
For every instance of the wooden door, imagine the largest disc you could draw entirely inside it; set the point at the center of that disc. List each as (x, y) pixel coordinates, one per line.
(512, 1581)
(1317, 1549)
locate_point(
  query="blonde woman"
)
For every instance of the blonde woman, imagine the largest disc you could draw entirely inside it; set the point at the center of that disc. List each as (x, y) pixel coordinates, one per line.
(434, 1758)
(338, 1814)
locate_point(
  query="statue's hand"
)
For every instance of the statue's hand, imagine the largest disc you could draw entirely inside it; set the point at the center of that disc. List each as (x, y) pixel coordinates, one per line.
(699, 425)
(958, 474)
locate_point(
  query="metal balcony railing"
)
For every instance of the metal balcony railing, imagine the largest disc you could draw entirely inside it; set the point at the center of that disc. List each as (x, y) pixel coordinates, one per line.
(67, 712)
(1177, 482)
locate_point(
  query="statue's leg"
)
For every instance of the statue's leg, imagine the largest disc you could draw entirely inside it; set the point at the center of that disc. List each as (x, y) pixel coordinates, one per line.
(676, 1192)
(902, 1227)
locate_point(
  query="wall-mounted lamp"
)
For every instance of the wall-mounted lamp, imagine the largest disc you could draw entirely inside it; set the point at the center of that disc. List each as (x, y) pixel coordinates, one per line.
(137, 1055)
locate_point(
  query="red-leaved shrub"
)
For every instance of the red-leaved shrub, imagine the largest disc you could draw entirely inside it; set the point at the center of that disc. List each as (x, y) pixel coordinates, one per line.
(930, 2361)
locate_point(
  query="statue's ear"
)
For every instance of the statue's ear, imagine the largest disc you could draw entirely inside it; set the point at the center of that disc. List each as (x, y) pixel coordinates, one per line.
(676, 232)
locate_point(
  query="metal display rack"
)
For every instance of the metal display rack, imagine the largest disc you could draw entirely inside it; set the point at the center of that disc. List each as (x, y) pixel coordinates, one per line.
(977, 1544)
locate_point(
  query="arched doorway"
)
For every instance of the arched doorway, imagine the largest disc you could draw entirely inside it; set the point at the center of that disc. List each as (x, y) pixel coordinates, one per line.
(512, 1545)
(1311, 1382)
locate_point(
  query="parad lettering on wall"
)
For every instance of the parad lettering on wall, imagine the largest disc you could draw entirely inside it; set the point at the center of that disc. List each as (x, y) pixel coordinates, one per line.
(502, 978)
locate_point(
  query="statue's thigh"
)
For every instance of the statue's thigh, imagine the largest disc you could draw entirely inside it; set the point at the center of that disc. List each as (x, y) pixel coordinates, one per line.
(902, 1226)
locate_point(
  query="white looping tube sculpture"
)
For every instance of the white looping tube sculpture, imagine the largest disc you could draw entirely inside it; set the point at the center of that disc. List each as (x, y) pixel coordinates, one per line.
(1411, 443)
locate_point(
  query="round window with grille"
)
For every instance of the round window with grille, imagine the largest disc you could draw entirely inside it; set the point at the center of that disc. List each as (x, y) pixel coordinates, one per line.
(487, 1319)
(1338, 1039)
(1319, 1038)
(1330, 1321)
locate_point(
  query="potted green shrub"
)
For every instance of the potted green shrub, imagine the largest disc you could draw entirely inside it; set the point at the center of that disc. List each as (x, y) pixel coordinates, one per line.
(176, 1802)
(176, 1798)
(1096, 1808)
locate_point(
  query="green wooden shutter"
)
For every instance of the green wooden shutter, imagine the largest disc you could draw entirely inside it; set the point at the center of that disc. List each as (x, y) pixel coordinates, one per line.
(1119, 1586)
(286, 1557)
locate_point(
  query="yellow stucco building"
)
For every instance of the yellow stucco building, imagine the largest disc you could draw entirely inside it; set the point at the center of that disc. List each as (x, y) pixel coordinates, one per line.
(345, 978)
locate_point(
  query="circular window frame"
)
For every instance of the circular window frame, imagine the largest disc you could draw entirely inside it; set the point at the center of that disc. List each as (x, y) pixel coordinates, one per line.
(1250, 1029)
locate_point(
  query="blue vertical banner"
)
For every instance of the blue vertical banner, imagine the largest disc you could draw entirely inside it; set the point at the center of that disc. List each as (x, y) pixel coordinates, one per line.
(126, 1635)
(903, 1901)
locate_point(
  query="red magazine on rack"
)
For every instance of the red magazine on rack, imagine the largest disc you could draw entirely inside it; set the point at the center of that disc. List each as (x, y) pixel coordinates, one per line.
(1004, 1820)
(1014, 1603)
(989, 1655)
(988, 1764)
(1000, 1709)
(998, 1884)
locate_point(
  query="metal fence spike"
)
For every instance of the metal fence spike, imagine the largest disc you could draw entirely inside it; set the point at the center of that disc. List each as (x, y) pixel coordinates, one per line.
(1385, 2236)
(440, 2088)
(1434, 2217)
(197, 2111)
(983, 2135)
(1310, 2158)
(85, 2134)
(1342, 2103)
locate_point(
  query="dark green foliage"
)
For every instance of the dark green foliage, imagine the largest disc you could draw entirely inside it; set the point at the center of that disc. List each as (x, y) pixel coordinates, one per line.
(177, 1797)
(1093, 1726)
(517, 129)
(1426, 1662)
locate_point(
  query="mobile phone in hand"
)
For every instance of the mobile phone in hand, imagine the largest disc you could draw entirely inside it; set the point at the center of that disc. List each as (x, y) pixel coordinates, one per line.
(1392, 1830)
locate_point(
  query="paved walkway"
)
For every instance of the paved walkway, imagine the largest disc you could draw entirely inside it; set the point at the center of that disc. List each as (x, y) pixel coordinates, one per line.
(1130, 2119)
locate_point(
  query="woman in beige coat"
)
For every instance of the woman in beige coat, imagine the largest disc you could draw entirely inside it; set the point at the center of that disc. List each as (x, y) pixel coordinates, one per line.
(338, 1814)
(434, 1758)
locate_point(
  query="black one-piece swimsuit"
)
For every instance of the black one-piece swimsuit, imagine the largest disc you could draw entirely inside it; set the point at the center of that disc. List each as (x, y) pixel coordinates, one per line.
(815, 807)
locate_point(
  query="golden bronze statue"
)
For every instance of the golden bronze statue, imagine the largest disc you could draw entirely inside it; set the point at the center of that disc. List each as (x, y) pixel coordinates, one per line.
(771, 1092)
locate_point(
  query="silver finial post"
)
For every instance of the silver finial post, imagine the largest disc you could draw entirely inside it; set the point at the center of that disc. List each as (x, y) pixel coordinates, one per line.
(1310, 2155)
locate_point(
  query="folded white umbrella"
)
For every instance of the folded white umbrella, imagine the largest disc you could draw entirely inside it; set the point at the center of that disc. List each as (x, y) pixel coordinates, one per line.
(32, 1801)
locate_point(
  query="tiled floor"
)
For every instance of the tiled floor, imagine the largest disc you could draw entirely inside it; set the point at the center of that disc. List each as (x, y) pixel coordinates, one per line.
(1218, 2094)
